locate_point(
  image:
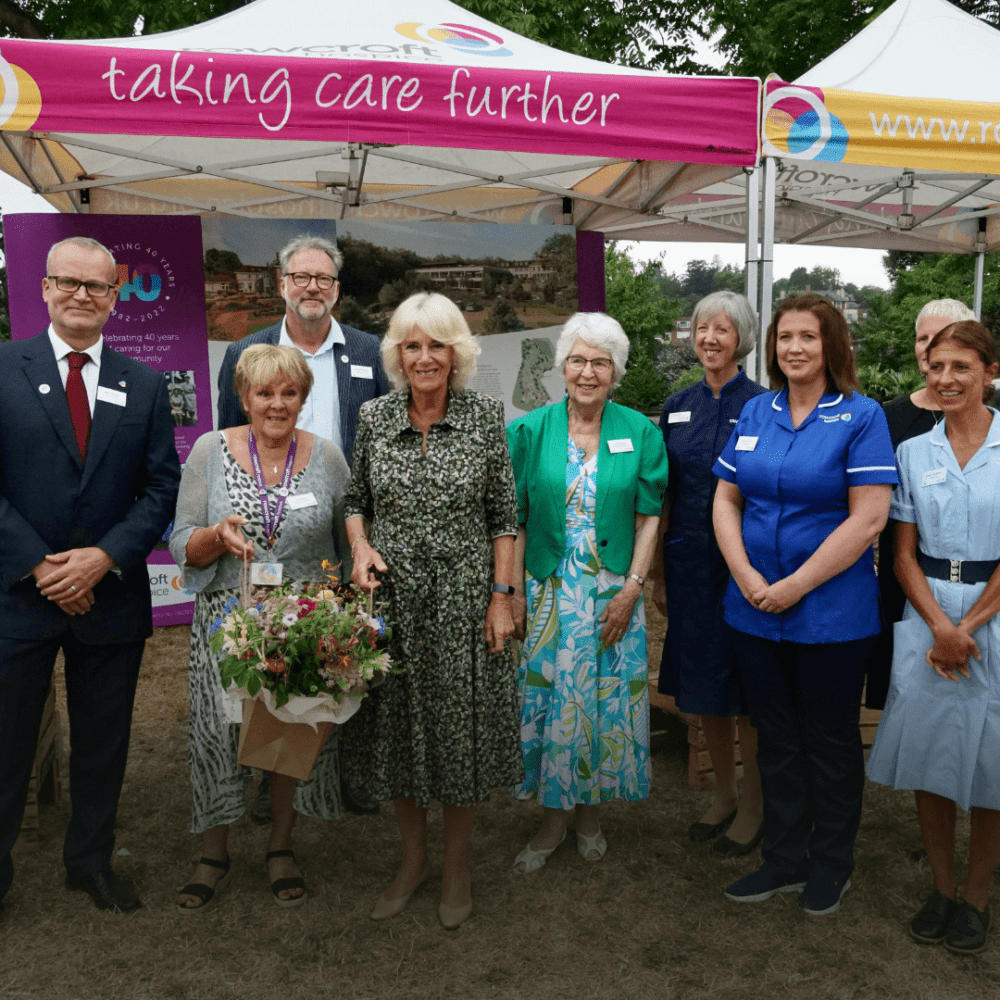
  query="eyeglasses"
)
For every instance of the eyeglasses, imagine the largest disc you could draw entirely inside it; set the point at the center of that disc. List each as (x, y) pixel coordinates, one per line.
(95, 289)
(302, 279)
(601, 366)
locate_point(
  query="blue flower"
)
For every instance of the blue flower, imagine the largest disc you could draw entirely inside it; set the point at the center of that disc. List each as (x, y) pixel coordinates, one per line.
(230, 605)
(216, 625)
(381, 625)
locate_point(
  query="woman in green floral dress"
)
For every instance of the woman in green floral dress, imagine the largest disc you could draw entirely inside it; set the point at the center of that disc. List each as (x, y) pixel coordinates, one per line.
(431, 520)
(591, 476)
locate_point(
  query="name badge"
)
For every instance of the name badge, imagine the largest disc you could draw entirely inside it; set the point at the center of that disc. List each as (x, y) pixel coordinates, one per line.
(935, 476)
(680, 417)
(361, 371)
(264, 574)
(106, 395)
(744, 443)
(301, 500)
(617, 445)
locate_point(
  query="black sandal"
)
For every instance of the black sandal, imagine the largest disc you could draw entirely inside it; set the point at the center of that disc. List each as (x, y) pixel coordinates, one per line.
(206, 893)
(280, 885)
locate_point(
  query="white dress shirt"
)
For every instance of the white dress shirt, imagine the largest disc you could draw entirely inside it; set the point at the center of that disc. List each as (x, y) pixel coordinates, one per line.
(320, 413)
(91, 371)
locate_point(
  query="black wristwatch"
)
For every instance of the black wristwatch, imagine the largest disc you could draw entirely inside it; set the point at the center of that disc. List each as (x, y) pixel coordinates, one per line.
(503, 588)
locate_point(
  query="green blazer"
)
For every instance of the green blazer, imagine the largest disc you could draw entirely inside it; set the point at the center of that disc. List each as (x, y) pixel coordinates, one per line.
(628, 483)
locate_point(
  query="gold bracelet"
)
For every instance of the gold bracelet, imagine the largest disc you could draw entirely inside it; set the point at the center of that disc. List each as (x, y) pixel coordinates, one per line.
(360, 538)
(218, 537)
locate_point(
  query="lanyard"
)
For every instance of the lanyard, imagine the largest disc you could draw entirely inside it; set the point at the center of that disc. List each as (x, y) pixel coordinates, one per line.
(271, 521)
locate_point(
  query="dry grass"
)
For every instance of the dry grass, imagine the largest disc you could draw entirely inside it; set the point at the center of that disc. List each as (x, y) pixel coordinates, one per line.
(648, 922)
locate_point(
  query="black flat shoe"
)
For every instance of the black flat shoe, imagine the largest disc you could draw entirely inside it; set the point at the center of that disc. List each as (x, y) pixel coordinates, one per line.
(108, 890)
(206, 893)
(280, 885)
(726, 848)
(702, 832)
(931, 923)
(969, 926)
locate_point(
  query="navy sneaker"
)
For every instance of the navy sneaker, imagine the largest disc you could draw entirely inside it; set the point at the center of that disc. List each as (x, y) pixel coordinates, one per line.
(765, 882)
(822, 894)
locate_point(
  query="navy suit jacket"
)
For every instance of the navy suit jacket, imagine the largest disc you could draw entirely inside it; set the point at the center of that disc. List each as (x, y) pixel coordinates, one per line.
(361, 349)
(121, 500)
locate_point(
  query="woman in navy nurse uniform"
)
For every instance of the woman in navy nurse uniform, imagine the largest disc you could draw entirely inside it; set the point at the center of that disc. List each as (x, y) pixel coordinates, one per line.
(699, 666)
(804, 490)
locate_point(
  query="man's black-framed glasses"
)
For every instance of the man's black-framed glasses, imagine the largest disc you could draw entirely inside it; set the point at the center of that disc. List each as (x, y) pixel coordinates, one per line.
(95, 289)
(302, 279)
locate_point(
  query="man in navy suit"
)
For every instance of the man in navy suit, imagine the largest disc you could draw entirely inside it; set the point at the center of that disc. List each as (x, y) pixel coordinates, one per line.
(346, 364)
(347, 371)
(88, 481)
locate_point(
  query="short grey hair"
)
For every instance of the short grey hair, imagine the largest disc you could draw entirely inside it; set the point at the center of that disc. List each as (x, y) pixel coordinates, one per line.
(944, 309)
(441, 320)
(79, 241)
(741, 314)
(307, 242)
(598, 330)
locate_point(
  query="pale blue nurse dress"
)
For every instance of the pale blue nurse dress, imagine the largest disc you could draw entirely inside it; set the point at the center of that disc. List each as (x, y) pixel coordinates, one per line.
(936, 735)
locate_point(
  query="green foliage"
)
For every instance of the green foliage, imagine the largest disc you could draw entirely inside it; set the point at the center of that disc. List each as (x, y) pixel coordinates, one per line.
(367, 267)
(883, 384)
(502, 318)
(692, 375)
(352, 314)
(635, 298)
(222, 261)
(643, 387)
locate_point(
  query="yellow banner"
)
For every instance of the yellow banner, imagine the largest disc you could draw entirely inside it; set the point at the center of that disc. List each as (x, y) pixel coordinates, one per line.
(844, 126)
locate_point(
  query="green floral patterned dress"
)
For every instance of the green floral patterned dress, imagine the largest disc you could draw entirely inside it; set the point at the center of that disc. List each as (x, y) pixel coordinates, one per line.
(584, 709)
(446, 728)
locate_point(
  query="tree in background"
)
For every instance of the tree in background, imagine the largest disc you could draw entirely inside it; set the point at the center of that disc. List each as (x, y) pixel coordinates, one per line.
(502, 318)
(222, 261)
(635, 298)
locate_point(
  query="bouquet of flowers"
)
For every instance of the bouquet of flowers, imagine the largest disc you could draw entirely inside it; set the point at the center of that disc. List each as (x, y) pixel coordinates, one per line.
(309, 653)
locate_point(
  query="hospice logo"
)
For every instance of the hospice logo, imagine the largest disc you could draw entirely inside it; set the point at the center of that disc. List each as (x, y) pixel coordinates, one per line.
(469, 40)
(797, 123)
(21, 100)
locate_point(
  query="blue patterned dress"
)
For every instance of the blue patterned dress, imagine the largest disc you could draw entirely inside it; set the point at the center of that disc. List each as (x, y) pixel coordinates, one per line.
(584, 709)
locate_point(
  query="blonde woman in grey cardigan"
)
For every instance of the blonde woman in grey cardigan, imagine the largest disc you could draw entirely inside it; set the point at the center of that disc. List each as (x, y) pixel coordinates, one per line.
(221, 520)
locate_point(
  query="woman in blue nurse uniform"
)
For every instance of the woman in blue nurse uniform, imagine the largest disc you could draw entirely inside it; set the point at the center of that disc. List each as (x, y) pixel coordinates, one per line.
(804, 490)
(699, 666)
(940, 732)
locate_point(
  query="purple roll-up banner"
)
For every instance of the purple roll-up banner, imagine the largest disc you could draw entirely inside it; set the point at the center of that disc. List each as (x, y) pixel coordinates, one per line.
(159, 319)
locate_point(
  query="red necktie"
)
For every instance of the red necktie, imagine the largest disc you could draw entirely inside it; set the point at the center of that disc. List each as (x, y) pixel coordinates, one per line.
(79, 405)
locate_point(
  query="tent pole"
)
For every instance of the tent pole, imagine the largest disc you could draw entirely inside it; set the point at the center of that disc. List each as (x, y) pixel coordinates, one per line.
(766, 260)
(751, 285)
(977, 296)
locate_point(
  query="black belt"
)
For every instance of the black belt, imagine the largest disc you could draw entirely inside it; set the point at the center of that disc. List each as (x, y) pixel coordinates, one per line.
(957, 570)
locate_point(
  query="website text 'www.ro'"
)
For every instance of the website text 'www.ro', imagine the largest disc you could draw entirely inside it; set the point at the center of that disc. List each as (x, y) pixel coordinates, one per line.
(953, 131)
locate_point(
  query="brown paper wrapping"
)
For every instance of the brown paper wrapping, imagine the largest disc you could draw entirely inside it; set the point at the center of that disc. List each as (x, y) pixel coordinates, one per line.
(273, 745)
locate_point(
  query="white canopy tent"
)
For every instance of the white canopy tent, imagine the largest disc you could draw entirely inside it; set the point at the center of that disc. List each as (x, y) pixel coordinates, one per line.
(362, 123)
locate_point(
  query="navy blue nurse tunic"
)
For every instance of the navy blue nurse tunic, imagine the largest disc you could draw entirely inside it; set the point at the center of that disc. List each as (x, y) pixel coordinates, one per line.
(698, 668)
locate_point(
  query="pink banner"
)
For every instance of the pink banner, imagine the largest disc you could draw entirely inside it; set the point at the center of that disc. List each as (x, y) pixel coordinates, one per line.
(58, 87)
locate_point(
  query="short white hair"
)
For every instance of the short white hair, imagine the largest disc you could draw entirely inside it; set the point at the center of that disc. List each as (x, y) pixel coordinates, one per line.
(741, 314)
(442, 321)
(79, 241)
(306, 241)
(598, 330)
(944, 309)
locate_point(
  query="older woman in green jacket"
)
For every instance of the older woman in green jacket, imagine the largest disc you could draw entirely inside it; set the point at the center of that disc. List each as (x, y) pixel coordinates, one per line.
(590, 478)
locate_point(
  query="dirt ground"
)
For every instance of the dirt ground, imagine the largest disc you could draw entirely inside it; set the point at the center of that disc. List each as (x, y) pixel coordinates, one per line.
(649, 921)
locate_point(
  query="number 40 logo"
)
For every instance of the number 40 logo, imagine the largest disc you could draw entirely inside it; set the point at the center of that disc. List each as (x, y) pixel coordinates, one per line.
(145, 283)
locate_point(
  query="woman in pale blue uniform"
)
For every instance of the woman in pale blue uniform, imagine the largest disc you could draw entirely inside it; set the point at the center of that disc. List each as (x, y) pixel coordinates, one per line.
(698, 667)
(940, 732)
(804, 490)
(590, 482)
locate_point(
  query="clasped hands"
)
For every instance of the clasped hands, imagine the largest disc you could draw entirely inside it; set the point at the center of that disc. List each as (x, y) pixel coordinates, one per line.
(770, 597)
(950, 654)
(68, 578)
